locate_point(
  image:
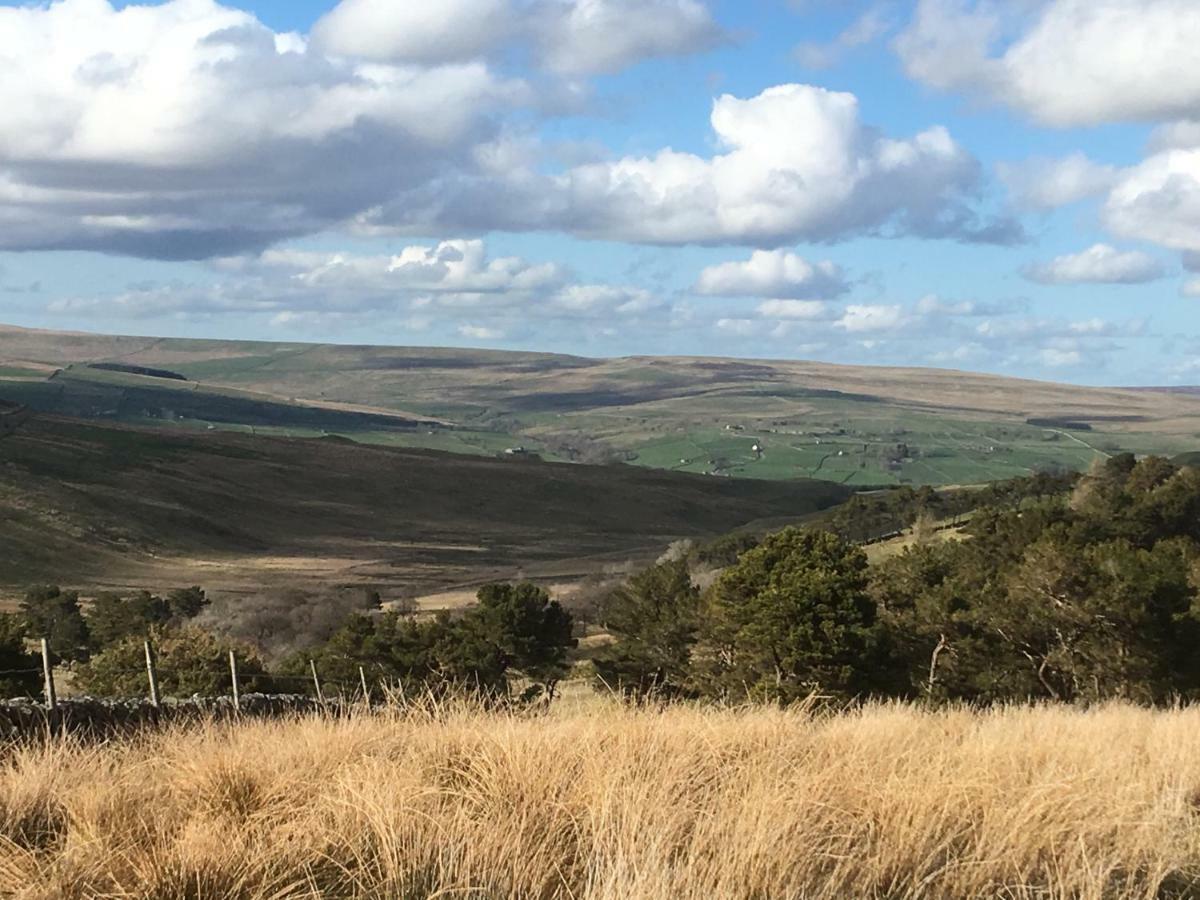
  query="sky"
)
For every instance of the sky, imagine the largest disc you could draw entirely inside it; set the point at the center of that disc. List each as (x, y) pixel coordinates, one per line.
(1009, 186)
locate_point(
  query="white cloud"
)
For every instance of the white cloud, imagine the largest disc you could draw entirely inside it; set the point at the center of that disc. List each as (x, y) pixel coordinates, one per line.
(797, 164)
(870, 318)
(1031, 329)
(480, 332)
(1191, 262)
(574, 37)
(1181, 135)
(387, 30)
(591, 36)
(1057, 358)
(188, 129)
(1158, 200)
(808, 310)
(602, 300)
(1050, 183)
(773, 273)
(453, 286)
(1062, 62)
(1099, 264)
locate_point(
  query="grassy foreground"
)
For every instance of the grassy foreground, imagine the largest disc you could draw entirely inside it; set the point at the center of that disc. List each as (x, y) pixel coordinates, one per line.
(604, 802)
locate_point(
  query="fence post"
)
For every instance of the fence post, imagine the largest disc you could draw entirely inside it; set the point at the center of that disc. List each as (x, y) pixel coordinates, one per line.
(48, 671)
(316, 681)
(152, 676)
(233, 677)
(362, 676)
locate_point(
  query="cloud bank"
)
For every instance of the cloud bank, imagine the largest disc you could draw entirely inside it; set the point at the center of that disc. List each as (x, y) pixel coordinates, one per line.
(188, 130)
(1062, 63)
(1099, 264)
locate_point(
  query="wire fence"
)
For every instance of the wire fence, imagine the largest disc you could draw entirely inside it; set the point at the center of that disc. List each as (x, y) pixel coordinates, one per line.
(313, 684)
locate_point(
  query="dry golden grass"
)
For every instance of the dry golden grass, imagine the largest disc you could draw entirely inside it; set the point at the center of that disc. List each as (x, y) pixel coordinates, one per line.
(596, 801)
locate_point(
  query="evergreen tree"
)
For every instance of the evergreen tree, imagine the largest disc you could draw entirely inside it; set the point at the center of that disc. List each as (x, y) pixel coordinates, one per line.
(531, 632)
(20, 673)
(189, 661)
(654, 619)
(112, 617)
(793, 618)
(52, 613)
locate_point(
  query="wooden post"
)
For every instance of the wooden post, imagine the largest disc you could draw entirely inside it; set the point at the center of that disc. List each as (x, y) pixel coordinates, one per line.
(316, 681)
(362, 676)
(48, 671)
(152, 676)
(233, 677)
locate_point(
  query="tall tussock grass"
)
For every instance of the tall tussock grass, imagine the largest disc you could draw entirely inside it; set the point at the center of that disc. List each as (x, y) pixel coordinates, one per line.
(603, 801)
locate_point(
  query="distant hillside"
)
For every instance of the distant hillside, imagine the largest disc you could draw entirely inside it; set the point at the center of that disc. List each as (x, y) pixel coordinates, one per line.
(141, 394)
(87, 503)
(765, 419)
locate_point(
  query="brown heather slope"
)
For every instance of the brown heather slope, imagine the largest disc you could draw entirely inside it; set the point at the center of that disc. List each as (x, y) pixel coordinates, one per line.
(520, 382)
(90, 505)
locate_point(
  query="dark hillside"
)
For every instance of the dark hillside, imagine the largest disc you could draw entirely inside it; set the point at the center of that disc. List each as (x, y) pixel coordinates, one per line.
(80, 500)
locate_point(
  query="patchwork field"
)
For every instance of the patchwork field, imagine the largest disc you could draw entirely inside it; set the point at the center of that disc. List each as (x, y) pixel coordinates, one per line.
(853, 425)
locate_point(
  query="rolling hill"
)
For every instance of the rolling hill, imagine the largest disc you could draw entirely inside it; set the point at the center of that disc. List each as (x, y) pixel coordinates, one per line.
(764, 419)
(110, 505)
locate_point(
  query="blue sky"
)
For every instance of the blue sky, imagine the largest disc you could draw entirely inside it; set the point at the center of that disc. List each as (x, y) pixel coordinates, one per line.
(1000, 186)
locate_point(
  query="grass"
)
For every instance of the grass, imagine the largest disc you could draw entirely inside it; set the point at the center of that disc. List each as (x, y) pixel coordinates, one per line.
(965, 428)
(119, 507)
(599, 802)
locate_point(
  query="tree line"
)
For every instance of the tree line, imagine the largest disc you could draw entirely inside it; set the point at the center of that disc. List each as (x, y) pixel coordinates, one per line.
(1068, 589)
(516, 636)
(1061, 588)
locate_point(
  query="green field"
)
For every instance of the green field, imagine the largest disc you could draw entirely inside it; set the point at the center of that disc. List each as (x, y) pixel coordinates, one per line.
(852, 425)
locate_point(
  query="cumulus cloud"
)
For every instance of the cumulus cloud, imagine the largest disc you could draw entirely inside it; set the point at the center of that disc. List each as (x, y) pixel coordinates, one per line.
(1064, 63)
(798, 164)
(773, 273)
(188, 129)
(1050, 183)
(578, 37)
(1099, 264)
(447, 31)
(454, 285)
(1158, 200)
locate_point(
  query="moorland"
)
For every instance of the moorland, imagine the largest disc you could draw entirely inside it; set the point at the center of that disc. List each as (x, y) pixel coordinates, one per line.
(764, 419)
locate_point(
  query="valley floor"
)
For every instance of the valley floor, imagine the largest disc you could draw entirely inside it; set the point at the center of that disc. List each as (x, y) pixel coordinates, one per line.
(593, 800)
